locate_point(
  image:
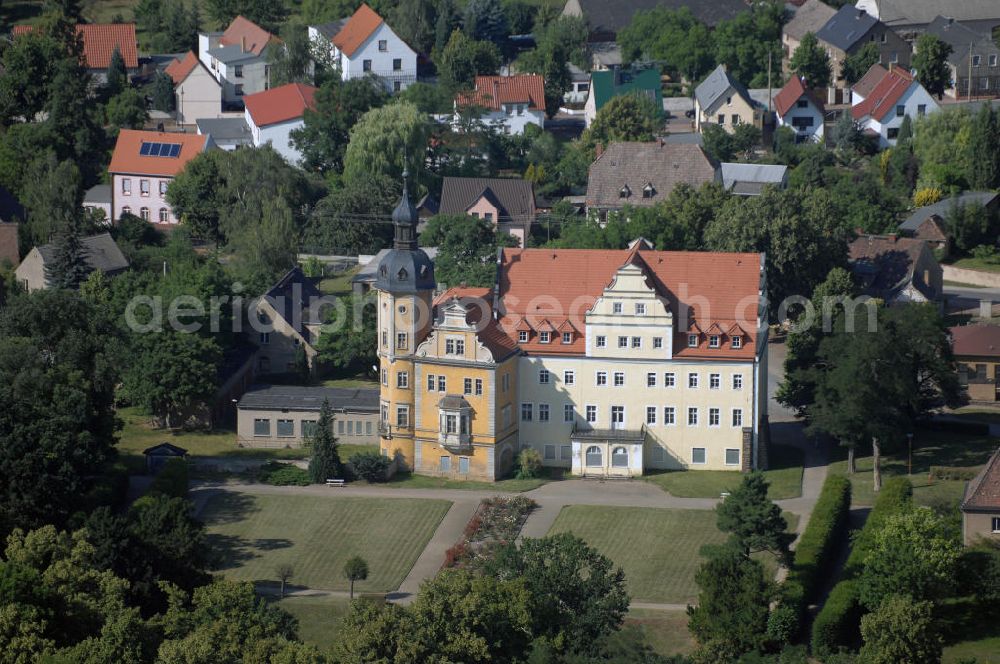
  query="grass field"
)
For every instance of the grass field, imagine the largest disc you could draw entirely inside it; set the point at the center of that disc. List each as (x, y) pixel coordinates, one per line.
(317, 535)
(971, 263)
(970, 631)
(657, 548)
(339, 284)
(136, 435)
(665, 631)
(319, 618)
(930, 448)
(785, 478)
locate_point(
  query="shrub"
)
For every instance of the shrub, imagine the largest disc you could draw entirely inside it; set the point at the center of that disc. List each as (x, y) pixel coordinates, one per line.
(816, 549)
(370, 466)
(172, 480)
(953, 473)
(110, 489)
(282, 474)
(529, 464)
(927, 196)
(837, 624)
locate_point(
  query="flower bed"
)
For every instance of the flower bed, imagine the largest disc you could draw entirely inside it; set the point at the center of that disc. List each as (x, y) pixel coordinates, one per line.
(497, 520)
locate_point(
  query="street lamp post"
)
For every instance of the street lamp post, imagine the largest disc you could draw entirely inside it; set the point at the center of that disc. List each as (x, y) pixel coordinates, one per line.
(909, 455)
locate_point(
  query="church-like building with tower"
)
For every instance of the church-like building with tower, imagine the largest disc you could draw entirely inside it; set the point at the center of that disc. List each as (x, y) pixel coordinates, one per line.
(607, 362)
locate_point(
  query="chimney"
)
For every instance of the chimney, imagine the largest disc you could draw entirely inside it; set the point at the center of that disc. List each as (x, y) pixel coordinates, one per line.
(861, 13)
(243, 44)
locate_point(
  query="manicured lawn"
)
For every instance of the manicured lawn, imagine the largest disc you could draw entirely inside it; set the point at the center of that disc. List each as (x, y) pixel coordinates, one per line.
(960, 284)
(971, 263)
(338, 285)
(319, 618)
(785, 477)
(665, 631)
(657, 548)
(930, 448)
(137, 435)
(970, 631)
(317, 535)
(359, 381)
(410, 481)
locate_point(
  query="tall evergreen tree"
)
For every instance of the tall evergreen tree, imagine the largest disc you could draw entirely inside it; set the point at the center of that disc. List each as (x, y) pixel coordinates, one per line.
(163, 93)
(754, 522)
(68, 268)
(117, 76)
(325, 462)
(984, 150)
(485, 20)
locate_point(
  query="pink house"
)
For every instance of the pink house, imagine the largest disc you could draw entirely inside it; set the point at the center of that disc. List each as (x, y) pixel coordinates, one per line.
(142, 167)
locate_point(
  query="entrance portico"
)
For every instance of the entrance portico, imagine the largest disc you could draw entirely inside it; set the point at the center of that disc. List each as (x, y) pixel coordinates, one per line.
(607, 452)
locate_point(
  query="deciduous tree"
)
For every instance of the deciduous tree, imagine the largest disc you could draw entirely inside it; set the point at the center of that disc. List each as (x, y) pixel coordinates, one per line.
(627, 117)
(674, 36)
(901, 630)
(463, 58)
(857, 64)
(385, 140)
(355, 569)
(467, 248)
(810, 62)
(930, 59)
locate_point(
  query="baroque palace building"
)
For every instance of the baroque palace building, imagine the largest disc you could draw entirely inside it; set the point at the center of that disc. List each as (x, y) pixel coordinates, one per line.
(608, 362)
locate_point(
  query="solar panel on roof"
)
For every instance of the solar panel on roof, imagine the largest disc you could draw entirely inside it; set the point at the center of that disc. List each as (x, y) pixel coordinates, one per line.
(150, 149)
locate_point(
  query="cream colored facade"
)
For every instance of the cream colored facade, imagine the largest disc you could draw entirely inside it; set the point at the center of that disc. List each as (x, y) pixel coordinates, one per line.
(268, 428)
(694, 413)
(279, 342)
(728, 111)
(198, 96)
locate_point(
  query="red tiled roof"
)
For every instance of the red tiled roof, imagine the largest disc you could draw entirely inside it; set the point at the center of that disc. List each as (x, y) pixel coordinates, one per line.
(479, 303)
(357, 30)
(871, 78)
(126, 157)
(983, 493)
(280, 104)
(975, 340)
(257, 38)
(883, 98)
(554, 285)
(178, 70)
(99, 42)
(785, 100)
(493, 91)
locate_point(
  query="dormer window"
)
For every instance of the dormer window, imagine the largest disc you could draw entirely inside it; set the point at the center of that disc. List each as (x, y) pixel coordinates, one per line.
(543, 337)
(713, 341)
(625, 192)
(522, 337)
(567, 337)
(648, 191)
(737, 341)
(402, 274)
(692, 341)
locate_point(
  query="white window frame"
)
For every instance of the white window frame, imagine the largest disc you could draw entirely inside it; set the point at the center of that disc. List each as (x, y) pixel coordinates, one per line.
(704, 456)
(544, 412)
(651, 414)
(650, 379)
(636, 342)
(601, 379)
(619, 379)
(692, 416)
(692, 380)
(736, 342)
(726, 456)
(527, 408)
(522, 336)
(543, 337)
(590, 413)
(714, 381)
(622, 342)
(569, 414)
(657, 343)
(713, 341)
(736, 413)
(569, 377)
(669, 379)
(715, 417)
(544, 376)
(640, 308)
(601, 341)
(617, 307)
(692, 341)
(669, 416)
(737, 381)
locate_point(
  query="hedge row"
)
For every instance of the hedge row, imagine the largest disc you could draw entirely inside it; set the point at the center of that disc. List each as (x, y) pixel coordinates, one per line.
(896, 496)
(954, 473)
(838, 623)
(172, 480)
(818, 545)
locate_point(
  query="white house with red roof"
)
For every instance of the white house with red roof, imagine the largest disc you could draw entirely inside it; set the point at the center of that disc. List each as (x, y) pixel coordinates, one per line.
(143, 165)
(799, 109)
(99, 43)
(893, 95)
(197, 93)
(365, 45)
(509, 103)
(273, 114)
(237, 58)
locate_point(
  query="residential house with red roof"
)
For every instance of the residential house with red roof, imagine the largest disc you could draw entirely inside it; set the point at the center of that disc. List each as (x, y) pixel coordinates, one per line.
(798, 108)
(509, 103)
(99, 43)
(894, 95)
(197, 93)
(607, 362)
(237, 58)
(365, 45)
(981, 505)
(273, 114)
(142, 167)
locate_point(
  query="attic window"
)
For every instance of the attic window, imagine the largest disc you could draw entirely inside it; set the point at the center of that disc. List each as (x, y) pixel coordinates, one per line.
(737, 341)
(648, 191)
(692, 341)
(713, 341)
(402, 274)
(625, 192)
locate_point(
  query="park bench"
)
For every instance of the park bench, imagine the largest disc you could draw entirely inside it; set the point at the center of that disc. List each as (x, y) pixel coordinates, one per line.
(335, 482)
